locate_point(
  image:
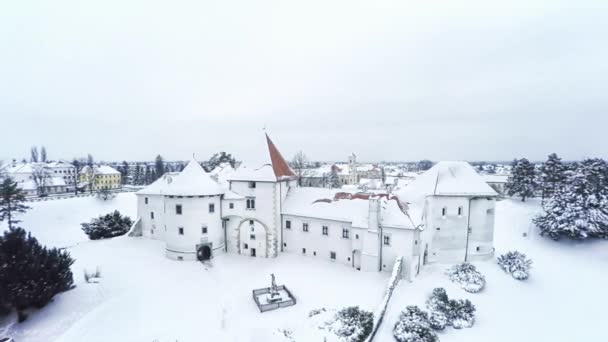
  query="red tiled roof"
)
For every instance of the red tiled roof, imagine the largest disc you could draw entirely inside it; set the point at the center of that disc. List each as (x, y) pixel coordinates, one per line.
(279, 165)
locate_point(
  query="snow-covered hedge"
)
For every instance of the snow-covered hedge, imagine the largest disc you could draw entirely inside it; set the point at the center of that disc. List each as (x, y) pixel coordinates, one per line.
(107, 226)
(414, 326)
(467, 276)
(515, 263)
(350, 324)
(457, 313)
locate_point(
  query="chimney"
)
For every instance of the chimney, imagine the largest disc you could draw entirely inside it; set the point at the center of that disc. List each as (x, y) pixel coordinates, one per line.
(373, 221)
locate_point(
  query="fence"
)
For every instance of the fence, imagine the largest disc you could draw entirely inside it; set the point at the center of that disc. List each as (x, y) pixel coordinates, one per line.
(273, 306)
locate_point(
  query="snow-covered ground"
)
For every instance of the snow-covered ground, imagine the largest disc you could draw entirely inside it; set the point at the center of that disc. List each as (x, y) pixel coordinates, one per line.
(144, 296)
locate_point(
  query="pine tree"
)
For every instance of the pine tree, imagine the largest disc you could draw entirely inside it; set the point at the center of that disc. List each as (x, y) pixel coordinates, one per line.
(522, 181)
(552, 175)
(159, 167)
(31, 274)
(578, 210)
(333, 181)
(43, 158)
(124, 174)
(11, 202)
(34, 154)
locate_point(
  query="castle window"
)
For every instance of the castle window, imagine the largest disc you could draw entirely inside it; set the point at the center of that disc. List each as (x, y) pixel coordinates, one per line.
(459, 211)
(180, 230)
(332, 255)
(284, 244)
(387, 240)
(251, 203)
(152, 215)
(251, 222)
(204, 230)
(251, 236)
(325, 230)
(438, 228)
(251, 185)
(444, 211)
(314, 253)
(231, 205)
(288, 224)
(345, 233)
(357, 236)
(478, 248)
(303, 250)
(304, 227)
(146, 200)
(211, 207)
(178, 209)
(245, 246)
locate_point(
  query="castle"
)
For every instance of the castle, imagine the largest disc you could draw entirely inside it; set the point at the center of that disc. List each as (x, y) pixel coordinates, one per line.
(445, 215)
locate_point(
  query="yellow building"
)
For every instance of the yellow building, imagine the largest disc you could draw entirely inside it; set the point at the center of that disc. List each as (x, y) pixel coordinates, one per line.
(100, 177)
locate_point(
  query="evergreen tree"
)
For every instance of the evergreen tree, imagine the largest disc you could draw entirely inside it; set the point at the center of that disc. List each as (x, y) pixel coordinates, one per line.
(31, 274)
(333, 181)
(552, 175)
(522, 180)
(124, 173)
(43, 154)
(138, 178)
(578, 210)
(217, 159)
(77, 169)
(107, 226)
(11, 202)
(34, 154)
(159, 167)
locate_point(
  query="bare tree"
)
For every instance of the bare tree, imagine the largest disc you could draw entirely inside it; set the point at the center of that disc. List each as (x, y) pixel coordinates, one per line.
(34, 154)
(43, 154)
(41, 176)
(299, 163)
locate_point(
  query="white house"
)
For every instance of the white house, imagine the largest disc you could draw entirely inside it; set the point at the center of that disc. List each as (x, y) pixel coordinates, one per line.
(41, 178)
(445, 215)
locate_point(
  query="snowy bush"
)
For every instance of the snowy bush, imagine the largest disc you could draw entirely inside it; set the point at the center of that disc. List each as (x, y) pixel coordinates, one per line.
(467, 276)
(413, 326)
(92, 277)
(315, 312)
(31, 274)
(516, 264)
(351, 324)
(107, 226)
(454, 312)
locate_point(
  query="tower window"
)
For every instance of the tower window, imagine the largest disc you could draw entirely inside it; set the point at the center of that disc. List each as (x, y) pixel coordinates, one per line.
(304, 227)
(459, 211)
(288, 224)
(325, 230)
(444, 211)
(204, 230)
(332, 255)
(146, 200)
(252, 185)
(231, 205)
(180, 230)
(303, 250)
(152, 215)
(178, 209)
(387, 240)
(251, 203)
(345, 233)
(211, 207)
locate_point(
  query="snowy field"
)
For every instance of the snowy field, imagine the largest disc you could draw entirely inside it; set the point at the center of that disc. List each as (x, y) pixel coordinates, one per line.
(144, 296)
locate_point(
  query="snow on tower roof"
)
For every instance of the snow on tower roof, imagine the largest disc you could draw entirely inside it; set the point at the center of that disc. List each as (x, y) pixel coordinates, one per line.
(194, 181)
(268, 165)
(447, 178)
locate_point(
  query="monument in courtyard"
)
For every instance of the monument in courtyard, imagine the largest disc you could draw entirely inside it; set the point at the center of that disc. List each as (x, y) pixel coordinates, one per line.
(273, 297)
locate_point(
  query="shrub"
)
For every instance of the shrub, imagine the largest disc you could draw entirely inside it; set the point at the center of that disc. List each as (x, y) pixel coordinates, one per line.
(467, 276)
(31, 274)
(444, 311)
(352, 324)
(414, 326)
(516, 264)
(107, 226)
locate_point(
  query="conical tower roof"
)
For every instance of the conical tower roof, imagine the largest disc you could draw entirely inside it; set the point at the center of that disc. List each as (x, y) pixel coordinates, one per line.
(193, 181)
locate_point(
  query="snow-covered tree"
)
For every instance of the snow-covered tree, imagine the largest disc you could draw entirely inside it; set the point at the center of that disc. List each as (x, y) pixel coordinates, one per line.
(11, 202)
(159, 167)
(516, 264)
(107, 226)
(467, 276)
(34, 156)
(43, 157)
(579, 209)
(522, 181)
(41, 176)
(424, 165)
(552, 175)
(333, 181)
(462, 313)
(217, 159)
(298, 164)
(413, 326)
(31, 274)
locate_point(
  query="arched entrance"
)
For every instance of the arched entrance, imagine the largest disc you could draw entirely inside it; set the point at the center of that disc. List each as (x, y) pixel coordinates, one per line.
(203, 253)
(253, 238)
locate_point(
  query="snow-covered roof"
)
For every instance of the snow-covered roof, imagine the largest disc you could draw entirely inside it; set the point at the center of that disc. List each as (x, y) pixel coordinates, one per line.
(265, 165)
(495, 178)
(322, 203)
(159, 186)
(30, 184)
(106, 170)
(193, 181)
(447, 178)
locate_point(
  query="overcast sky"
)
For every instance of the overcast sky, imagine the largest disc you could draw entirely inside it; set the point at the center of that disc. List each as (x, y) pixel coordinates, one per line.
(388, 80)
